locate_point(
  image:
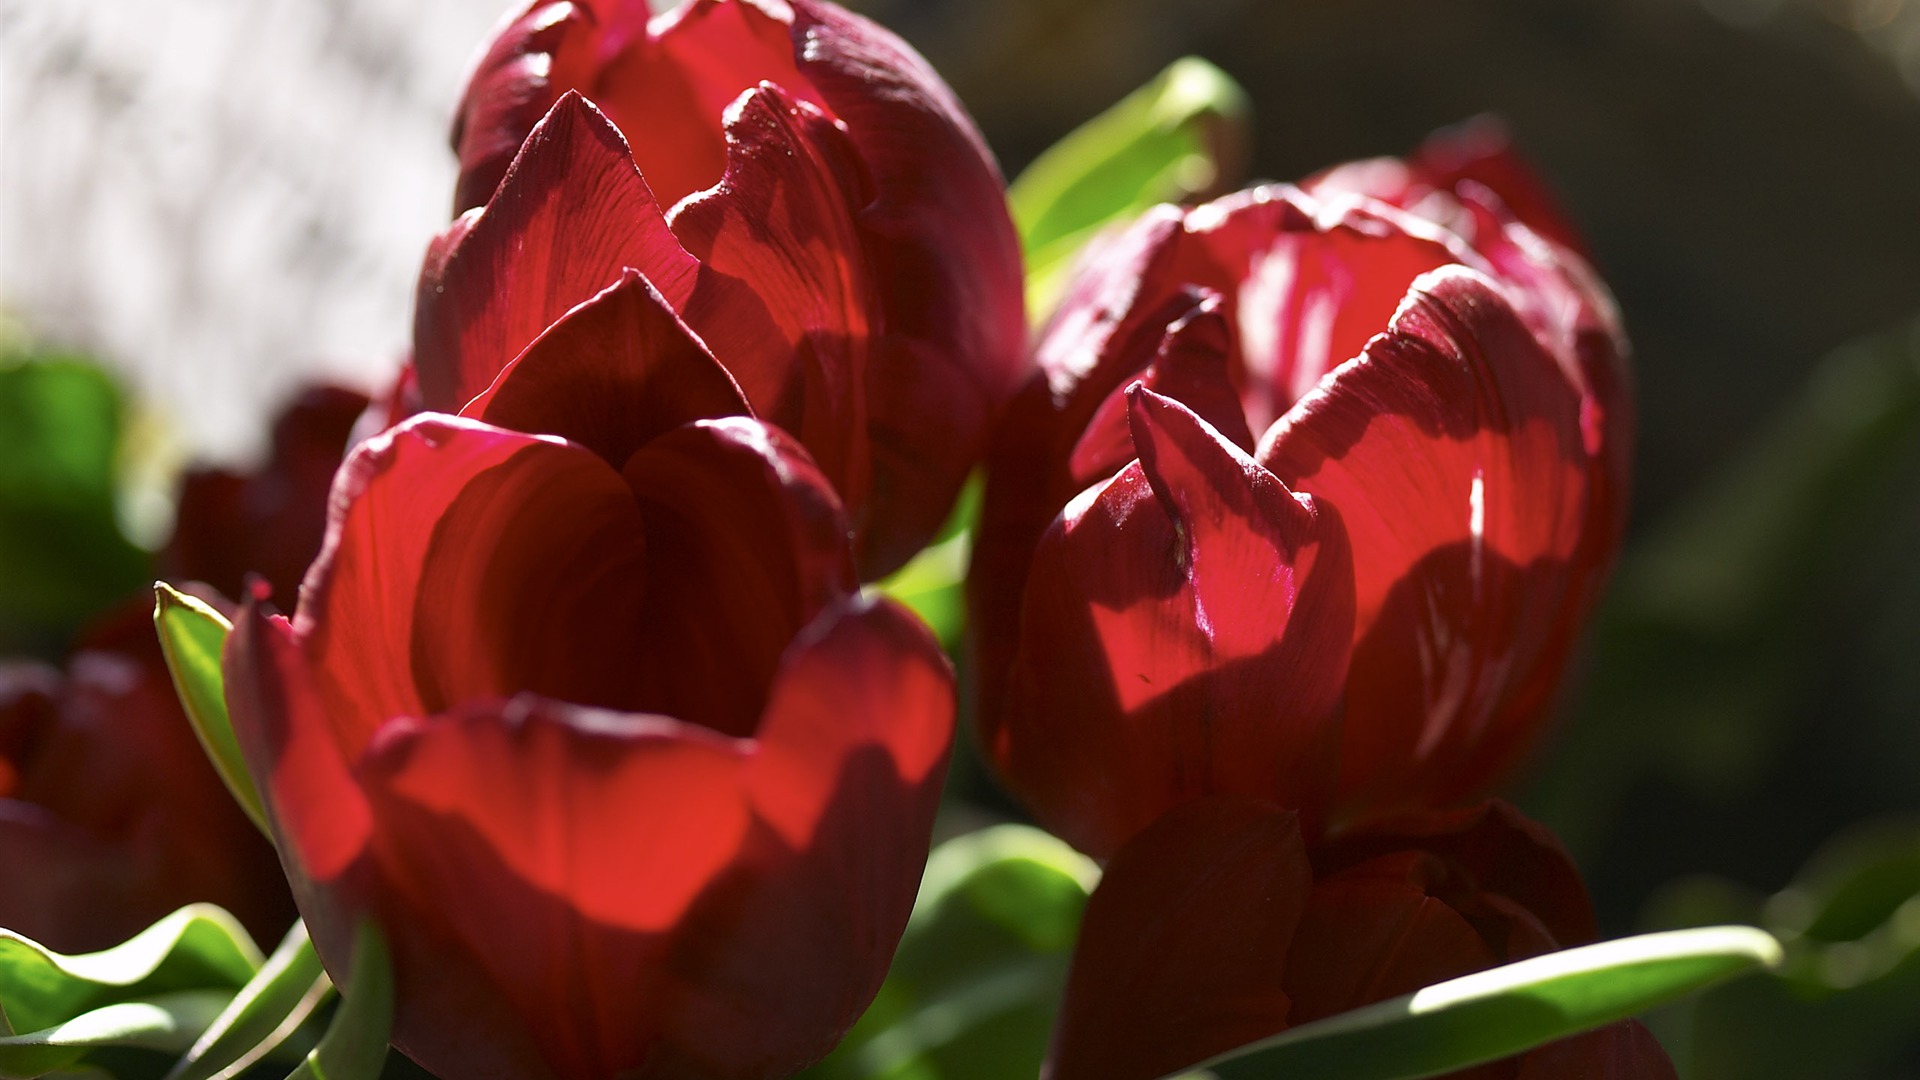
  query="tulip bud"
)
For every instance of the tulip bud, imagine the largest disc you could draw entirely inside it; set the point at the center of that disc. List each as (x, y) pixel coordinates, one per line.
(1219, 925)
(795, 183)
(633, 780)
(1434, 389)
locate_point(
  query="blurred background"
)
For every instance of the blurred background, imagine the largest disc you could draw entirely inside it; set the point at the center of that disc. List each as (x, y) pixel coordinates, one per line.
(220, 199)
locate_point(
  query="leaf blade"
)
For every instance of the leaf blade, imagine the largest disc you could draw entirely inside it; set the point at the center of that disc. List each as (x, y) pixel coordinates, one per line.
(192, 635)
(1507, 1010)
(287, 989)
(1176, 137)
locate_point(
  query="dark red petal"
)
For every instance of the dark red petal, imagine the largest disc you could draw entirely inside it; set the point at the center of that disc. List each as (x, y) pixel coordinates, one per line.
(947, 266)
(1185, 633)
(755, 889)
(1623, 1051)
(1374, 931)
(1308, 282)
(570, 215)
(1193, 367)
(358, 605)
(1498, 850)
(533, 57)
(612, 375)
(533, 581)
(110, 815)
(784, 299)
(1103, 334)
(293, 750)
(746, 544)
(863, 674)
(555, 849)
(270, 520)
(1480, 153)
(1120, 299)
(668, 87)
(1452, 450)
(780, 961)
(1184, 943)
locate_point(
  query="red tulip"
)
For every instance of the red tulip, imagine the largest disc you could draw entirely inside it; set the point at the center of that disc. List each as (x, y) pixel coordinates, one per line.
(1218, 926)
(266, 521)
(110, 815)
(633, 779)
(1331, 491)
(794, 181)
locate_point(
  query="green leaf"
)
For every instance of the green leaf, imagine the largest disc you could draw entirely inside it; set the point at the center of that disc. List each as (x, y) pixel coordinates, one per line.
(192, 635)
(974, 987)
(933, 583)
(168, 1022)
(152, 990)
(1180, 136)
(266, 1012)
(63, 558)
(355, 1045)
(1504, 1011)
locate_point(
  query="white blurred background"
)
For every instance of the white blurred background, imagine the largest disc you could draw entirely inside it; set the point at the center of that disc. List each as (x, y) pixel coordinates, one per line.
(221, 197)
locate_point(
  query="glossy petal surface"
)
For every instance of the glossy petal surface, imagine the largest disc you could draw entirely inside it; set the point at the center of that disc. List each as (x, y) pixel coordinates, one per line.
(570, 215)
(1185, 634)
(1451, 451)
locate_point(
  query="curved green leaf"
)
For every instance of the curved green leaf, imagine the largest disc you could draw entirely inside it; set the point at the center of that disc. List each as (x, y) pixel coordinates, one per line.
(355, 1045)
(932, 584)
(199, 947)
(1504, 1011)
(266, 1012)
(168, 1022)
(192, 635)
(974, 987)
(1179, 136)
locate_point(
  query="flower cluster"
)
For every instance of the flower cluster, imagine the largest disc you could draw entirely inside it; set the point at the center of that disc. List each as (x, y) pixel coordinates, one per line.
(1293, 512)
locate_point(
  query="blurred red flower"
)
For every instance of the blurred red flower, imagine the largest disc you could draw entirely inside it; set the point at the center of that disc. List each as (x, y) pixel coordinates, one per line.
(110, 815)
(269, 520)
(794, 181)
(1218, 926)
(1332, 481)
(633, 779)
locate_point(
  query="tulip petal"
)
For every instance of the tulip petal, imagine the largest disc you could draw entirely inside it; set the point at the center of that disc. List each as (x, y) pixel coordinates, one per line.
(846, 781)
(866, 673)
(571, 213)
(557, 847)
(269, 522)
(783, 298)
(533, 58)
(1191, 367)
(320, 819)
(534, 580)
(1451, 449)
(1168, 614)
(668, 88)
(750, 544)
(615, 373)
(1502, 851)
(1308, 282)
(1183, 944)
(942, 246)
(1480, 154)
(1376, 930)
(387, 499)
